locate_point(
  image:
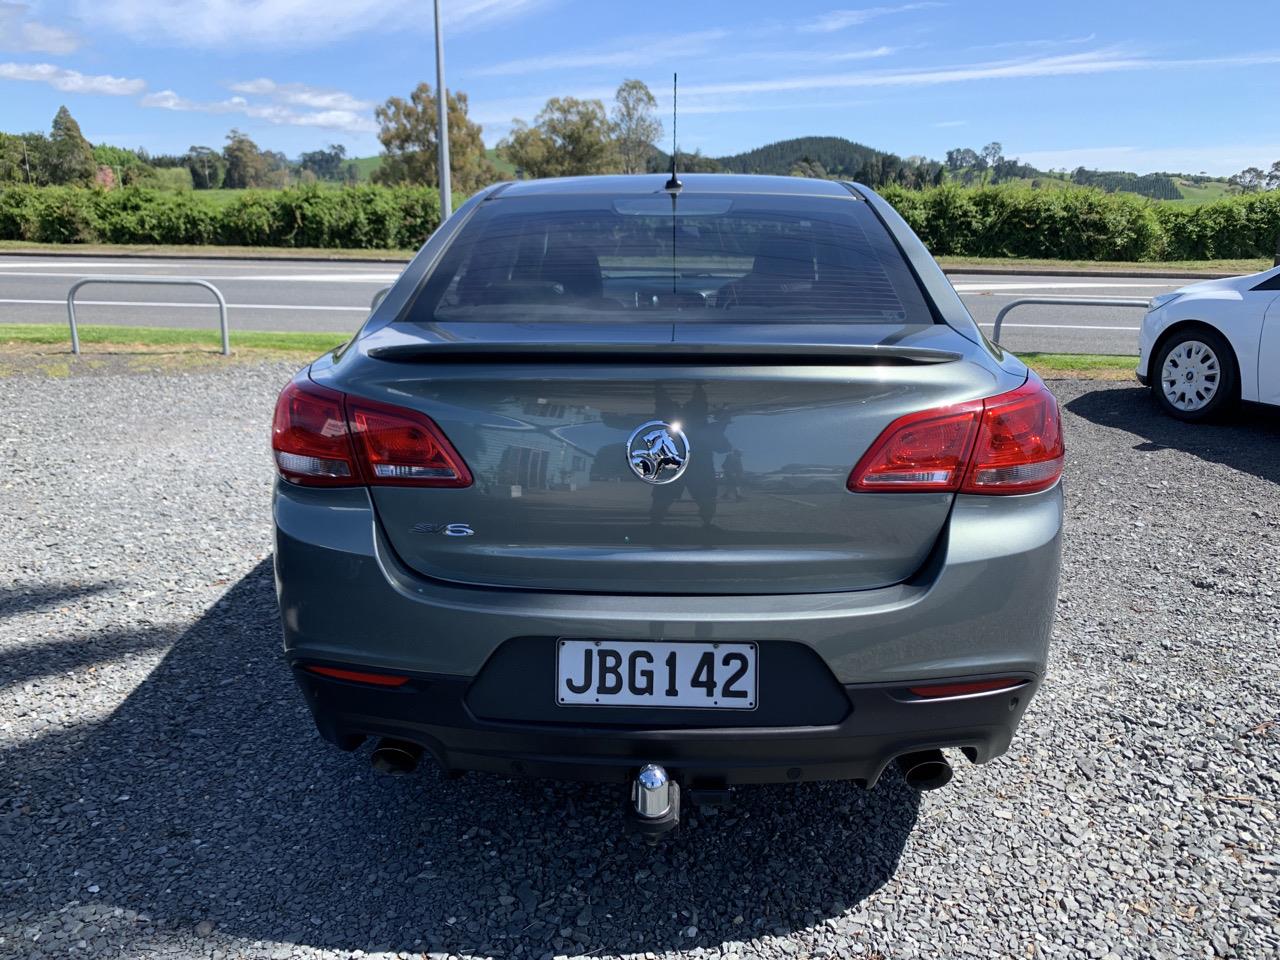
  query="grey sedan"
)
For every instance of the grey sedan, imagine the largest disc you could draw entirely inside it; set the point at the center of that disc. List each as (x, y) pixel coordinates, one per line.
(683, 485)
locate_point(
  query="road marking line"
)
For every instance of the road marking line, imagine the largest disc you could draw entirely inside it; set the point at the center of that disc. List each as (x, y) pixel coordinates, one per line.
(384, 279)
(201, 306)
(992, 287)
(1058, 326)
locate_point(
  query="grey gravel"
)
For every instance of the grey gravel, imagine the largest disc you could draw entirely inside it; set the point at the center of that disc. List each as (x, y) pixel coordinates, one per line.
(163, 793)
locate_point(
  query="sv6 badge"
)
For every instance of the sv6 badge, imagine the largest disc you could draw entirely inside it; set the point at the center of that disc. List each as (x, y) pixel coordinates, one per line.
(447, 529)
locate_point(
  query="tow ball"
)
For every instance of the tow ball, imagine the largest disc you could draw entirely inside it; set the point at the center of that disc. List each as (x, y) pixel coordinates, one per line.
(655, 803)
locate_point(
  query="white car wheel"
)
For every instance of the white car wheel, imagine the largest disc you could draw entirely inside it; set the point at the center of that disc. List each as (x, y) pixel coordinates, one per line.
(1191, 376)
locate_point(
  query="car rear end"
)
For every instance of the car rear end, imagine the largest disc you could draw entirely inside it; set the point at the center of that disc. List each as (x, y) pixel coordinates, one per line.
(724, 481)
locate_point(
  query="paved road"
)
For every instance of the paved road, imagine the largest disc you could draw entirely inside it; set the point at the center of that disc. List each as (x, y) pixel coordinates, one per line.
(288, 295)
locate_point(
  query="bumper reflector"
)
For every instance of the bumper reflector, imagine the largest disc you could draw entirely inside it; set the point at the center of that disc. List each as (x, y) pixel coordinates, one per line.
(358, 676)
(937, 691)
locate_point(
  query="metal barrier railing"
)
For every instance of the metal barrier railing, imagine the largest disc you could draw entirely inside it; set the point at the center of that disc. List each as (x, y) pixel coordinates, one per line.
(1068, 301)
(167, 281)
(378, 298)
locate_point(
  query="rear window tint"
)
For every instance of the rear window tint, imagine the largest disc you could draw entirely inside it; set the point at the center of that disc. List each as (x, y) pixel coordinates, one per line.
(740, 258)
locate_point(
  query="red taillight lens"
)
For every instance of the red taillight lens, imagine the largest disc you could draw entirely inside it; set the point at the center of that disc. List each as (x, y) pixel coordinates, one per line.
(359, 676)
(325, 438)
(1019, 448)
(403, 447)
(937, 691)
(921, 451)
(1006, 444)
(309, 436)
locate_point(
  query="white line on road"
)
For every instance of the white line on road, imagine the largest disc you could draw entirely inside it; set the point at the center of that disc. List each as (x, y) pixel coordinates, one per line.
(382, 278)
(1059, 326)
(990, 287)
(200, 306)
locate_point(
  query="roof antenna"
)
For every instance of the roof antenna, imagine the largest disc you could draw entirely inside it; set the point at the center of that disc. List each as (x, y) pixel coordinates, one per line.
(674, 185)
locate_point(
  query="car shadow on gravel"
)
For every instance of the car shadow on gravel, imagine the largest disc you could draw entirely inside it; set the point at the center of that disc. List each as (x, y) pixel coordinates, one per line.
(207, 803)
(1247, 440)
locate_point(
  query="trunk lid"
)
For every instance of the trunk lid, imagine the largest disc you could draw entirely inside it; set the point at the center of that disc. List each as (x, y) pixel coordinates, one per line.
(543, 418)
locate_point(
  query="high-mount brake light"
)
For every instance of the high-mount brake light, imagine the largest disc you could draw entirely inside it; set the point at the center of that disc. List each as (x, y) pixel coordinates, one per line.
(1011, 443)
(324, 438)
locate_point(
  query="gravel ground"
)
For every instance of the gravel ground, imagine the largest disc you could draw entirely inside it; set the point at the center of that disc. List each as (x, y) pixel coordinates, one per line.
(163, 793)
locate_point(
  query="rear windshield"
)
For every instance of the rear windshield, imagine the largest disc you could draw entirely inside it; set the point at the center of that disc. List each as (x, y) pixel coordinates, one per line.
(655, 257)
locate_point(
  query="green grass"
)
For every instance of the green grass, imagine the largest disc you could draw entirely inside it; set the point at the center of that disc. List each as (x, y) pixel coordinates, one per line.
(307, 345)
(1087, 366)
(171, 337)
(505, 168)
(365, 167)
(1154, 267)
(1194, 194)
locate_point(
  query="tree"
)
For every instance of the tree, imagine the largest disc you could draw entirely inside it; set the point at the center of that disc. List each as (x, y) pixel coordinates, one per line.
(570, 137)
(636, 127)
(1248, 180)
(325, 164)
(1273, 176)
(992, 154)
(70, 155)
(409, 143)
(961, 158)
(246, 166)
(207, 167)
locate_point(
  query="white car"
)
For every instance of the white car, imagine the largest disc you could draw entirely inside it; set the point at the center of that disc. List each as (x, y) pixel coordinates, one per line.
(1208, 346)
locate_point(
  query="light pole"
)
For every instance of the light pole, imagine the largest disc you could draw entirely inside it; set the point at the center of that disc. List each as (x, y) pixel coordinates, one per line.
(442, 112)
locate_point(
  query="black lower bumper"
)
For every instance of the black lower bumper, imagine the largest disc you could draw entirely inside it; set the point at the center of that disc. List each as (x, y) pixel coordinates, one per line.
(881, 723)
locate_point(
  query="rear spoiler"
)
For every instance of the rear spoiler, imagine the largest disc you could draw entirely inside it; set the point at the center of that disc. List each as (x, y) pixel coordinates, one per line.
(743, 354)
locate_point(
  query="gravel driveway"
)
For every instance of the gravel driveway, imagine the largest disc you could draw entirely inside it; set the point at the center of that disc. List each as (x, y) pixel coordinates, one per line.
(163, 793)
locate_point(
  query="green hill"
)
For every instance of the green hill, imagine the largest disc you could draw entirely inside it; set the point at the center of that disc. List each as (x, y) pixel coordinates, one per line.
(837, 156)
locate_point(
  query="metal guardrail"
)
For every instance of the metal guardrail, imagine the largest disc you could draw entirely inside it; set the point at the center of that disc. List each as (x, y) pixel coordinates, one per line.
(1068, 301)
(378, 298)
(165, 281)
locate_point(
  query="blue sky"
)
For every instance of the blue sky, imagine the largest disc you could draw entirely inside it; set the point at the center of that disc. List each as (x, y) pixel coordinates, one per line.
(1116, 84)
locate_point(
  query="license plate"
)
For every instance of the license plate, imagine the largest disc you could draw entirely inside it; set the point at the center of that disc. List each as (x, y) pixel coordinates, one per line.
(611, 673)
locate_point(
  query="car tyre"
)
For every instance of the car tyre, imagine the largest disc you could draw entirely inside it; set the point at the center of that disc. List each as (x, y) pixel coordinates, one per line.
(1195, 376)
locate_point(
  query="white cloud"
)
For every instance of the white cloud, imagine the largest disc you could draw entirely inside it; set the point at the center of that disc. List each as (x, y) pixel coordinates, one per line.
(20, 33)
(282, 24)
(637, 52)
(1094, 62)
(950, 123)
(302, 95)
(71, 81)
(1038, 43)
(835, 20)
(279, 114)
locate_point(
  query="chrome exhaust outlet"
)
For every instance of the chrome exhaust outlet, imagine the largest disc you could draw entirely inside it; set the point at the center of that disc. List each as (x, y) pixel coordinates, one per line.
(655, 802)
(926, 770)
(395, 757)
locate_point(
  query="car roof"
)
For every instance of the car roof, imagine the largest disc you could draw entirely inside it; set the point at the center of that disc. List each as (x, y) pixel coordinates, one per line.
(646, 184)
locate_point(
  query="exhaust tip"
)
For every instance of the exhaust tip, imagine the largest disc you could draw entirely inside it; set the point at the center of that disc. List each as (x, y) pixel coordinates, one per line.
(926, 770)
(395, 758)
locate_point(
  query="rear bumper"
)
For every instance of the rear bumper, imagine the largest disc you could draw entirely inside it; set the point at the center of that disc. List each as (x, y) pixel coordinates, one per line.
(981, 606)
(881, 723)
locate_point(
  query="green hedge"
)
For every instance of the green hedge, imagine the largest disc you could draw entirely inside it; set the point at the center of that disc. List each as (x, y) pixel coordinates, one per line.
(370, 217)
(1075, 223)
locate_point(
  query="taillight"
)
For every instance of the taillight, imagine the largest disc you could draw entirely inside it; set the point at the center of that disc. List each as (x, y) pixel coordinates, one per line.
(309, 436)
(325, 438)
(403, 447)
(1007, 444)
(1019, 447)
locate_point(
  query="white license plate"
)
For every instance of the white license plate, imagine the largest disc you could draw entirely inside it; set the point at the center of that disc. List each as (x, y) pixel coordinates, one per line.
(612, 673)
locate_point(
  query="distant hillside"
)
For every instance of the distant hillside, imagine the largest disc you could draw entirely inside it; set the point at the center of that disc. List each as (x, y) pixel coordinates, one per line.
(366, 165)
(837, 156)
